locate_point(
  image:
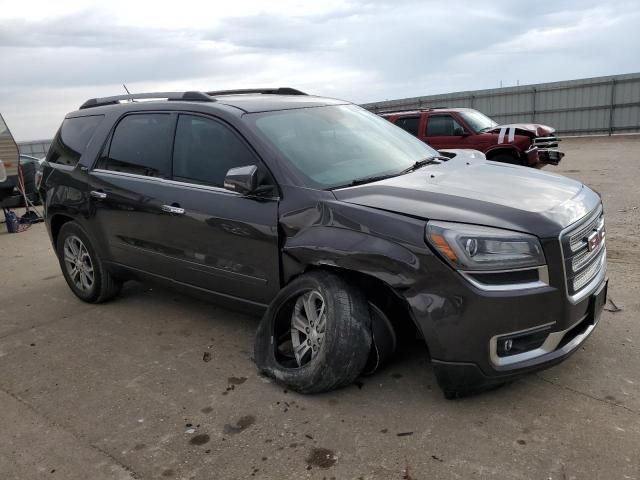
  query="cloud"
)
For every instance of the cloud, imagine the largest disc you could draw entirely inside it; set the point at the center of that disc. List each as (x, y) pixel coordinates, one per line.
(361, 50)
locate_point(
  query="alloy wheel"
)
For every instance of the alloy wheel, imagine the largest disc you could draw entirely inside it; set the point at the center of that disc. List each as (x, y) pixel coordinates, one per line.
(308, 326)
(78, 263)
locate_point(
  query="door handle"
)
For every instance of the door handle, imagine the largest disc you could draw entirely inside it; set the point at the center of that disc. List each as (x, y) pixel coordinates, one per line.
(98, 194)
(173, 210)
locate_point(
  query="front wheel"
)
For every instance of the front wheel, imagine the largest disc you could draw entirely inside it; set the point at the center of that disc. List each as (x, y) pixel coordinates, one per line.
(316, 334)
(82, 268)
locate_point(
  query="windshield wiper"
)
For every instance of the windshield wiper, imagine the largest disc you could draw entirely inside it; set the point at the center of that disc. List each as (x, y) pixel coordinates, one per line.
(375, 178)
(424, 162)
(362, 181)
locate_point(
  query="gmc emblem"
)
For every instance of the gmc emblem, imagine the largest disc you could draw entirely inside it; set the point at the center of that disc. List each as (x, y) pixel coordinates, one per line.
(595, 239)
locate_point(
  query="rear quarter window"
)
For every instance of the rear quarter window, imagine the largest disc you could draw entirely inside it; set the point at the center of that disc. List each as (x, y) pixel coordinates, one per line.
(72, 139)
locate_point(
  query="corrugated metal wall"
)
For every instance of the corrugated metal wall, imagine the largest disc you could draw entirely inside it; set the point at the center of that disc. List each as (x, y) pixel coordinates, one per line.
(35, 148)
(600, 105)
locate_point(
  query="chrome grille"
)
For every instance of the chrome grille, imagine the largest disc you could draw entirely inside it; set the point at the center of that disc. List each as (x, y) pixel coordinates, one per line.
(589, 273)
(576, 240)
(583, 262)
(546, 142)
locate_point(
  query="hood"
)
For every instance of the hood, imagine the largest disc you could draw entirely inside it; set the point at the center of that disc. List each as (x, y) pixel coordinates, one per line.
(481, 192)
(528, 129)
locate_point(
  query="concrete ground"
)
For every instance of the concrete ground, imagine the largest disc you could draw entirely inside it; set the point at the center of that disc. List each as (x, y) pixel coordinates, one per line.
(121, 390)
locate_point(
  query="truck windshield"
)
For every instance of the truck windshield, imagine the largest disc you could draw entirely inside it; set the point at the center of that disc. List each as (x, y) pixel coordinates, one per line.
(334, 146)
(479, 122)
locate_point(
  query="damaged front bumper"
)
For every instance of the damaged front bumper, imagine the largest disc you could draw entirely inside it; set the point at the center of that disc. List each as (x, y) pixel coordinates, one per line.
(544, 151)
(538, 157)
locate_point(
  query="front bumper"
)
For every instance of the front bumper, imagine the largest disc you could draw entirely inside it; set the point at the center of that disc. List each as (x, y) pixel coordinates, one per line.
(538, 157)
(465, 325)
(467, 376)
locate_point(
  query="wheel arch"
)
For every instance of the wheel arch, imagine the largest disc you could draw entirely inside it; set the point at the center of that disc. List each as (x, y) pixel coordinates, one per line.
(56, 222)
(502, 149)
(382, 268)
(381, 294)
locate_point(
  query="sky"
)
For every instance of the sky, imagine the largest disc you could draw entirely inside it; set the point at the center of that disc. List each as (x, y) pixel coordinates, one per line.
(56, 54)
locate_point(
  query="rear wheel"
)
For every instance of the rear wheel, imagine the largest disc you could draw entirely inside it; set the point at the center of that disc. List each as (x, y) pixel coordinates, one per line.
(83, 270)
(316, 334)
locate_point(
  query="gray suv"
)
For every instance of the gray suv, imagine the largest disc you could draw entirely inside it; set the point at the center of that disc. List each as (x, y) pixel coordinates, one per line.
(340, 228)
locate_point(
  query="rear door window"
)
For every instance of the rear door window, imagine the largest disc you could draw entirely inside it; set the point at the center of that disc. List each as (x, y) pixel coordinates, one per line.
(205, 150)
(72, 139)
(410, 124)
(141, 145)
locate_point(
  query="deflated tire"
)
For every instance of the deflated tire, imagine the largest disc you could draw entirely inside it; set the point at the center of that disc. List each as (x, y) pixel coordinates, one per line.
(315, 335)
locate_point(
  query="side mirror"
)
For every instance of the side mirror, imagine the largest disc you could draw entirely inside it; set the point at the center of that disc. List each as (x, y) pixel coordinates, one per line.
(3, 172)
(242, 180)
(460, 132)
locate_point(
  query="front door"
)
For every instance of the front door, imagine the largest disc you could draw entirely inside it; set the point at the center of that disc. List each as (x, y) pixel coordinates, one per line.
(223, 241)
(443, 131)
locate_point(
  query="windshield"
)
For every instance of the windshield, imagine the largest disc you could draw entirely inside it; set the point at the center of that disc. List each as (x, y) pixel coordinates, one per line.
(478, 121)
(335, 145)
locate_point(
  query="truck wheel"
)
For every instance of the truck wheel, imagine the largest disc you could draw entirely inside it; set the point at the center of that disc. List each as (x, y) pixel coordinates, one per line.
(507, 158)
(82, 268)
(315, 335)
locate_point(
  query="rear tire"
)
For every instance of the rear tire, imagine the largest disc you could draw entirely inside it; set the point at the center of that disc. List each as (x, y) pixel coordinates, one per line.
(292, 349)
(82, 268)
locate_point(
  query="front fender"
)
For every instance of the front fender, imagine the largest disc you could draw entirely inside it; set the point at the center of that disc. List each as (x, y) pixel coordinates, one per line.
(414, 279)
(321, 245)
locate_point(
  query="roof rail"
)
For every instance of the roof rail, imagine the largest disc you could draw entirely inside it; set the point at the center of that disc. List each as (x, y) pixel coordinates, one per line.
(391, 112)
(192, 96)
(403, 110)
(266, 91)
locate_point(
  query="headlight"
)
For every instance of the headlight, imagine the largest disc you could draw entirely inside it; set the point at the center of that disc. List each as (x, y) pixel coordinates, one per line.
(475, 248)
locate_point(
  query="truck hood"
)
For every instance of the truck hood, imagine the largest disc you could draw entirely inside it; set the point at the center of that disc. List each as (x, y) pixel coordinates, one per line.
(481, 192)
(529, 129)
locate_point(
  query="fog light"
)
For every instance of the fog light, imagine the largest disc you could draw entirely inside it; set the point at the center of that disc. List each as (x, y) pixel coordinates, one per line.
(521, 342)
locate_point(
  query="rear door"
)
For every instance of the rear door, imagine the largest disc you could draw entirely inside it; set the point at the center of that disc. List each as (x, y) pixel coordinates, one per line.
(128, 192)
(442, 130)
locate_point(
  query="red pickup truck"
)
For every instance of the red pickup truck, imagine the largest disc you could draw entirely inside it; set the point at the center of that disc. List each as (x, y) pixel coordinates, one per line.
(527, 144)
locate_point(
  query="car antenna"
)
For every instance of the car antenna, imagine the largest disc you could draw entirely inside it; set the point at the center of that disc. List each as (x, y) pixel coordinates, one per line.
(127, 90)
